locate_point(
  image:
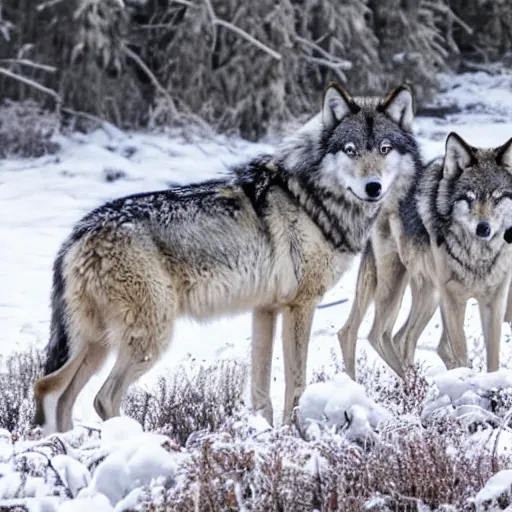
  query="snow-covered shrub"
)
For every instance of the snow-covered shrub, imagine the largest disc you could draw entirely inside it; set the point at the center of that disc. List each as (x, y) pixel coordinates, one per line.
(18, 372)
(497, 492)
(480, 400)
(341, 405)
(241, 467)
(26, 130)
(401, 396)
(188, 400)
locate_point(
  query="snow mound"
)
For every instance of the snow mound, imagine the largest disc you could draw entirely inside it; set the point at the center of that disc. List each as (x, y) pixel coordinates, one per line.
(474, 398)
(498, 485)
(341, 404)
(85, 473)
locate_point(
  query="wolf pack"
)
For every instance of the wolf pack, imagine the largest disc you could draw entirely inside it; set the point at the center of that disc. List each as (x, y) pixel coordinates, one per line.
(272, 236)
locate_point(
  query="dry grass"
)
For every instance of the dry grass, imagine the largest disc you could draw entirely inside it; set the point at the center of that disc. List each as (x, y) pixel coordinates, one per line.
(18, 372)
(189, 400)
(26, 130)
(231, 466)
(235, 469)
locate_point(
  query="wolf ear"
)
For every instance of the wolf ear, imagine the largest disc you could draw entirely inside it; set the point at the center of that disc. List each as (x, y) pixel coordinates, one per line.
(337, 104)
(457, 156)
(504, 156)
(399, 106)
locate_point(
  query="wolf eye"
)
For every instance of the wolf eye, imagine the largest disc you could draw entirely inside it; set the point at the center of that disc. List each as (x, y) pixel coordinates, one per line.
(385, 148)
(469, 197)
(350, 149)
(497, 195)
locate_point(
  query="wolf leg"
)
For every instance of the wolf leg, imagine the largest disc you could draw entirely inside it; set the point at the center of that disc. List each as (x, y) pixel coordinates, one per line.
(423, 306)
(453, 310)
(92, 362)
(297, 322)
(49, 389)
(365, 292)
(392, 280)
(444, 351)
(508, 312)
(492, 313)
(263, 331)
(139, 351)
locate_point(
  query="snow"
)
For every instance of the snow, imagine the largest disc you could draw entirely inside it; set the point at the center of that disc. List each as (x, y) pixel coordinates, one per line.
(41, 199)
(98, 503)
(467, 394)
(341, 403)
(497, 485)
(74, 475)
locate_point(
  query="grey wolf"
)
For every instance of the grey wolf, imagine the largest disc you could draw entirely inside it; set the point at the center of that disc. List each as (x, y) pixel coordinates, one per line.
(448, 240)
(272, 236)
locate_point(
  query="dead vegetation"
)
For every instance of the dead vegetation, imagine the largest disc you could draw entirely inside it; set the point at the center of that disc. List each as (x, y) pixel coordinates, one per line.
(233, 464)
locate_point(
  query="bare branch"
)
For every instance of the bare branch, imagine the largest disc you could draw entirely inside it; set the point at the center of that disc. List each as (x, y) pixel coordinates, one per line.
(48, 3)
(446, 10)
(249, 38)
(240, 32)
(185, 2)
(210, 10)
(31, 64)
(110, 129)
(151, 76)
(29, 82)
(333, 64)
(314, 46)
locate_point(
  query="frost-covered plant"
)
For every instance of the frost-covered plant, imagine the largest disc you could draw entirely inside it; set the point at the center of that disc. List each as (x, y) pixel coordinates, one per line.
(189, 400)
(401, 396)
(239, 467)
(26, 130)
(18, 372)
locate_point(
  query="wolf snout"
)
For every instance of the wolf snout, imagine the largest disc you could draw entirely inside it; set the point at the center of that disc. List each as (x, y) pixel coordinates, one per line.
(483, 229)
(373, 189)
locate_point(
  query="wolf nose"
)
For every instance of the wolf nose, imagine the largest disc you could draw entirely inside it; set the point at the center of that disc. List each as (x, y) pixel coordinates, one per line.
(483, 229)
(373, 189)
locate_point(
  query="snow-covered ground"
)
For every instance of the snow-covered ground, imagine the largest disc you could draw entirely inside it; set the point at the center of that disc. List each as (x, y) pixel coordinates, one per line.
(40, 200)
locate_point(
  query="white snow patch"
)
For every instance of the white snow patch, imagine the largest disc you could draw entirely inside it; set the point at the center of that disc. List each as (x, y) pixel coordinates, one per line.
(97, 503)
(497, 485)
(341, 403)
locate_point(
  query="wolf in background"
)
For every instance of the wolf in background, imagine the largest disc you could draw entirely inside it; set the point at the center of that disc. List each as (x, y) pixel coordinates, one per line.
(272, 237)
(448, 239)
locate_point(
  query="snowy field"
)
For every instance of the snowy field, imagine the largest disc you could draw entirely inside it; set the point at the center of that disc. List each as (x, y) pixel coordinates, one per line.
(41, 199)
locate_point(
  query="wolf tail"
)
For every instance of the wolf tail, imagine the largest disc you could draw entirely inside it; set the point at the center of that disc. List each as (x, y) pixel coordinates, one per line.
(57, 350)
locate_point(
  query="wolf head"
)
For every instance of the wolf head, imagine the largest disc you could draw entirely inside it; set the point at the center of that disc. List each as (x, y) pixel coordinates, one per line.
(358, 145)
(476, 188)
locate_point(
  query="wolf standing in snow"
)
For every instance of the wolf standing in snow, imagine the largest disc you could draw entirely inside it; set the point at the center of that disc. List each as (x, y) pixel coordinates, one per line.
(448, 239)
(272, 238)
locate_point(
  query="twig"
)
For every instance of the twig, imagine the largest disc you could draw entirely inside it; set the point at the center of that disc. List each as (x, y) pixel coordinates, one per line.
(342, 64)
(240, 32)
(184, 2)
(58, 478)
(320, 50)
(109, 128)
(30, 82)
(329, 304)
(249, 38)
(336, 67)
(29, 63)
(45, 5)
(151, 76)
(502, 427)
(446, 10)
